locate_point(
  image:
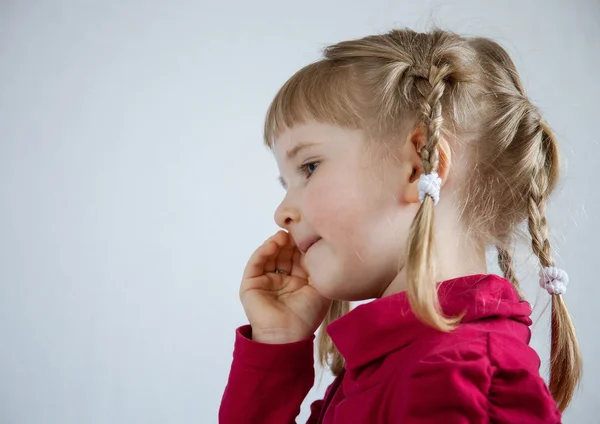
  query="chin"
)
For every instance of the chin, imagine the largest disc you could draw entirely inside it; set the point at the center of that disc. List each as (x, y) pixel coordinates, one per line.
(325, 284)
(337, 288)
(332, 279)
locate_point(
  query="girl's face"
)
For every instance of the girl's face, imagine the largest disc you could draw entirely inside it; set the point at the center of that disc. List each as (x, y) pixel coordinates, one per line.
(347, 208)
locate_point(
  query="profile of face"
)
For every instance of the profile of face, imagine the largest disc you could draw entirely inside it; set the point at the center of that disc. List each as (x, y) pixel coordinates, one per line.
(347, 206)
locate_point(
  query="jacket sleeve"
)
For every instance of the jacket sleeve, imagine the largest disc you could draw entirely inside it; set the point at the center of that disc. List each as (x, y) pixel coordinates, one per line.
(267, 383)
(478, 383)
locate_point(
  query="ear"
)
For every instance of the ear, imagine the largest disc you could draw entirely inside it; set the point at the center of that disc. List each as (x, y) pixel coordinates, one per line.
(411, 152)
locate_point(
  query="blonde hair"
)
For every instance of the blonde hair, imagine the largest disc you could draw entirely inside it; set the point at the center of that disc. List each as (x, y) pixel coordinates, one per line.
(465, 89)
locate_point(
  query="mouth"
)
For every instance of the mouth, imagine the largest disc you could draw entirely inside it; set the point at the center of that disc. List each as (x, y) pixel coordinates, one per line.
(306, 244)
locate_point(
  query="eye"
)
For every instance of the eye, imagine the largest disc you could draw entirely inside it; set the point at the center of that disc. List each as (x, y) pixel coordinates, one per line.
(308, 168)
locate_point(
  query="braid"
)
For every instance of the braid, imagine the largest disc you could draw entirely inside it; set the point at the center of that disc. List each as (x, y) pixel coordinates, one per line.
(534, 146)
(431, 111)
(422, 292)
(505, 262)
(527, 154)
(565, 359)
(536, 205)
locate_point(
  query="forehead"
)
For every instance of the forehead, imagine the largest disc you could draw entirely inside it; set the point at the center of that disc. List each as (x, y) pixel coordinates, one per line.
(312, 134)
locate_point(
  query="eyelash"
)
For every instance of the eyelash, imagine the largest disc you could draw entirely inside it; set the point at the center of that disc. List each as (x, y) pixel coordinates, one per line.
(304, 168)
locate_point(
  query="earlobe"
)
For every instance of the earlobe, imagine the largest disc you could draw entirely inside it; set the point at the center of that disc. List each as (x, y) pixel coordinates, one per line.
(414, 165)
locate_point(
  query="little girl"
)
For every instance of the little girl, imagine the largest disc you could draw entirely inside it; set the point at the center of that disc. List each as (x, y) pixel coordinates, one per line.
(373, 142)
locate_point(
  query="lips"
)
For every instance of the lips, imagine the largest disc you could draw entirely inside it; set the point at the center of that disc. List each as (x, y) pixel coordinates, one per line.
(306, 244)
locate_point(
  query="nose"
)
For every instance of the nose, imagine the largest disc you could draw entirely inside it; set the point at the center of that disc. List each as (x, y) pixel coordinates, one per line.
(287, 213)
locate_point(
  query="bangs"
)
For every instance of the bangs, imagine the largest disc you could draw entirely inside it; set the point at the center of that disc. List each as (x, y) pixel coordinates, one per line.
(321, 92)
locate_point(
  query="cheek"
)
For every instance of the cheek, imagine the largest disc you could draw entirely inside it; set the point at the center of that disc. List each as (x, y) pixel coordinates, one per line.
(335, 208)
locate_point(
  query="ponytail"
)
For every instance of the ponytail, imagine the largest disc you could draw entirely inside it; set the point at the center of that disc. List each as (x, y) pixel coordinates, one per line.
(565, 358)
(420, 264)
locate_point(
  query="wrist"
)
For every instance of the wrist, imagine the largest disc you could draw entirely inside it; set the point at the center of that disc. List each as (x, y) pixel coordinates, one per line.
(277, 336)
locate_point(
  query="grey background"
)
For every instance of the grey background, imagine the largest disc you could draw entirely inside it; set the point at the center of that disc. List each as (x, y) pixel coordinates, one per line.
(134, 186)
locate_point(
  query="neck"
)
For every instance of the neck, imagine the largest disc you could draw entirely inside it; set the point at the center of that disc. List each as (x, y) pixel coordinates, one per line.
(457, 256)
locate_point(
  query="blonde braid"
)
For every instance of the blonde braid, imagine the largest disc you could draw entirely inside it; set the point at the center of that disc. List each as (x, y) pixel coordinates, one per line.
(565, 358)
(534, 145)
(431, 112)
(505, 263)
(420, 271)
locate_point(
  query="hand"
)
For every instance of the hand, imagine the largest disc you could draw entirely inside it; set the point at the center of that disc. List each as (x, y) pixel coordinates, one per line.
(282, 307)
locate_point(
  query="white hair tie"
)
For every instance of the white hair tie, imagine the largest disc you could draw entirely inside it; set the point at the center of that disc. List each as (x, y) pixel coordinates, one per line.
(554, 280)
(429, 184)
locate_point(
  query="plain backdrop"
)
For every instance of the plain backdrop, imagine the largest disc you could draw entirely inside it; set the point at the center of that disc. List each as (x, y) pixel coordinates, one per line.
(134, 185)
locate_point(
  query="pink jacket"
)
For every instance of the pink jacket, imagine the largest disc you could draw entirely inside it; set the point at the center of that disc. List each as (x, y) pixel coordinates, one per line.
(401, 371)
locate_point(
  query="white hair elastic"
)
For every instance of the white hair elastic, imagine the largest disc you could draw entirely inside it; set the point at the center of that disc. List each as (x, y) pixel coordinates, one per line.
(429, 184)
(554, 280)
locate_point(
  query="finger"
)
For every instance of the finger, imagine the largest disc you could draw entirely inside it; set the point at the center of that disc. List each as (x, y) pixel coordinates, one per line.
(281, 239)
(270, 264)
(297, 268)
(285, 256)
(260, 258)
(278, 240)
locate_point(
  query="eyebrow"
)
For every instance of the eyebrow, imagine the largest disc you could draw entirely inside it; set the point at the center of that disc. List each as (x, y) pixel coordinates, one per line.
(293, 152)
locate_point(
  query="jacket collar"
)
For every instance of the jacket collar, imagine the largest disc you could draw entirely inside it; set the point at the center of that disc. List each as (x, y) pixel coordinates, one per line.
(375, 329)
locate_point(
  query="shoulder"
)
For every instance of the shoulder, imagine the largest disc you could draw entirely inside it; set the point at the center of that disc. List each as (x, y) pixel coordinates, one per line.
(478, 376)
(516, 384)
(494, 351)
